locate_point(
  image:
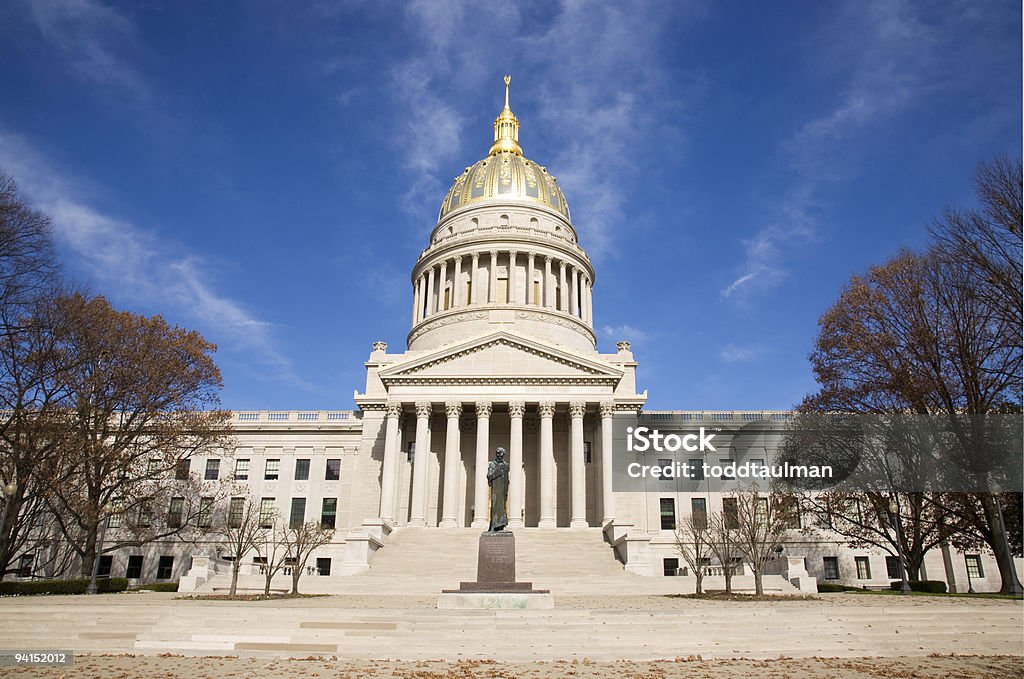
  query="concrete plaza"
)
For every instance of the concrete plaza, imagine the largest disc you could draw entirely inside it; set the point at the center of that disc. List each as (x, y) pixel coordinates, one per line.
(598, 628)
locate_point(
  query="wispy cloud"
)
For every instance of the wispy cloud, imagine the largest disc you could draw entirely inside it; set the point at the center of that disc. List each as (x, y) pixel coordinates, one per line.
(139, 265)
(890, 58)
(733, 353)
(92, 37)
(626, 332)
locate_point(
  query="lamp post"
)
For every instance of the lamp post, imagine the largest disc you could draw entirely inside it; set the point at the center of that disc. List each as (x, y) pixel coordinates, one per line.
(894, 511)
(105, 512)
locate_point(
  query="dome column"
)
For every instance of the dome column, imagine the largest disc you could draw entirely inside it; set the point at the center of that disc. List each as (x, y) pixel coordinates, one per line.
(474, 292)
(530, 296)
(512, 257)
(548, 299)
(492, 288)
(574, 292)
(441, 283)
(431, 300)
(417, 289)
(457, 283)
(590, 301)
(563, 289)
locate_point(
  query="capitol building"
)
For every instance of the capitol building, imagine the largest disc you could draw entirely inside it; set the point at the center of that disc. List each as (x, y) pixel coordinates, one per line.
(501, 352)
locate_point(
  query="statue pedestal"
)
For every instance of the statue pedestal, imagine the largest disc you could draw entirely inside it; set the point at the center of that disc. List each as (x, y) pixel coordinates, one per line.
(495, 585)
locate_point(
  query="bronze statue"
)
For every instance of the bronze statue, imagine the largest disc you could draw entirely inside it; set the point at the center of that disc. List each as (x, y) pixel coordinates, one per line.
(497, 479)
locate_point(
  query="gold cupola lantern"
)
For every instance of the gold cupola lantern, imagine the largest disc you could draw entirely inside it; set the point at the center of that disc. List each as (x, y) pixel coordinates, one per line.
(506, 129)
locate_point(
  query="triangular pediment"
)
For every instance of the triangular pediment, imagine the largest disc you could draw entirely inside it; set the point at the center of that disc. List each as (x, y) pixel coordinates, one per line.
(497, 358)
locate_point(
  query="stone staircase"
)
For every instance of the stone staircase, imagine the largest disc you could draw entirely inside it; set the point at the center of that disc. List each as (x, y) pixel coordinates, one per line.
(423, 561)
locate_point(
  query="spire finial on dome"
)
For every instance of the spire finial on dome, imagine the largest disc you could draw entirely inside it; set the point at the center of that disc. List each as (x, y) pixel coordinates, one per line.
(506, 129)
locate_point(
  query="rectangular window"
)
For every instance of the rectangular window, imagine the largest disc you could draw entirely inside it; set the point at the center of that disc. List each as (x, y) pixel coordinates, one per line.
(664, 463)
(134, 569)
(447, 299)
(212, 470)
(302, 470)
(762, 509)
(333, 470)
(145, 516)
(668, 513)
(267, 508)
(298, 514)
(699, 510)
(323, 566)
(182, 469)
(176, 512)
(241, 470)
(502, 296)
(790, 506)
(272, 470)
(410, 450)
(25, 565)
(863, 567)
(153, 468)
(731, 513)
(586, 452)
(670, 567)
(114, 520)
(725, 463)
(165, 568)
(892, 567)
(831, 567)
(973, 562)
(696, 468)
(235, 511)
(824, 518)
(205, 518)
(329, 513)
(103, 569)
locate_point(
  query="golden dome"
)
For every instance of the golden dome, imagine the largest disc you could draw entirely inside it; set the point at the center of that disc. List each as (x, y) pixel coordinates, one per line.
(505, 174)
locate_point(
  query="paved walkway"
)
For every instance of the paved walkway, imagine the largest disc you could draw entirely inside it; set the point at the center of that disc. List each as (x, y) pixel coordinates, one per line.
(599, 628)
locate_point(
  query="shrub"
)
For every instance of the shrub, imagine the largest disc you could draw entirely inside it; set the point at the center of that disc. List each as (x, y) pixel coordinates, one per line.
(158, 587)
(930, 586)
(75, 586)
(825, 587)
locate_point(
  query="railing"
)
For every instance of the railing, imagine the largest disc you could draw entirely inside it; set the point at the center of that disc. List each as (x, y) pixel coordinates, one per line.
(719, 416)
(293, 416)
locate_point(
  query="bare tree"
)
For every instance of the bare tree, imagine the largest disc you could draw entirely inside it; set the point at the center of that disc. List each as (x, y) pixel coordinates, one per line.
(761, 531)
(693, 542)
(241, 531)
(302, 540)
(724, 543)
(272, 548)
(28, 263)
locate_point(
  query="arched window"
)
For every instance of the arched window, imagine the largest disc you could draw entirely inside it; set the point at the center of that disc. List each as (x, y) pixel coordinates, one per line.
(504, 220)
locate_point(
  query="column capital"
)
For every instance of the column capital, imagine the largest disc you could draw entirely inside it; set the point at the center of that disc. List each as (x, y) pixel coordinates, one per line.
(577, 408)
(424, 408)
(547, 259)
(453, 408)
(476, 256)
(484, 409)
(458, 259)
(546, 408)
(516, 408)
(607, 408)
(393, 408)
(532, 255)
(494, 253)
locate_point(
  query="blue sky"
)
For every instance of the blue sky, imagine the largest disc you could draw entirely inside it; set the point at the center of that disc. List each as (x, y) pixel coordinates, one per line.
(267, 172)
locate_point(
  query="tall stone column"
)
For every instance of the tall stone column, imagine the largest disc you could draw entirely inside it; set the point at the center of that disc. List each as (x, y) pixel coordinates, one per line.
(483, 437)
(512, 256)
(563, 290)
(516, 411)
(607, 496)
(578, 518)
(585, 299)
(474, 292)
(549, 301)
(416, 302)
(457, 283)
(546, 409)
(590, 301)
(492, 287)
(418, 510)
(531, 298)
(574, 292)
(452, 457)
(442, 281)
(392, 443)
(431, 298)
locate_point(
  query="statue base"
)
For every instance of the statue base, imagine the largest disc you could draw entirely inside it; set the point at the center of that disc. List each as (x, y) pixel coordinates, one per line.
(496, 585)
